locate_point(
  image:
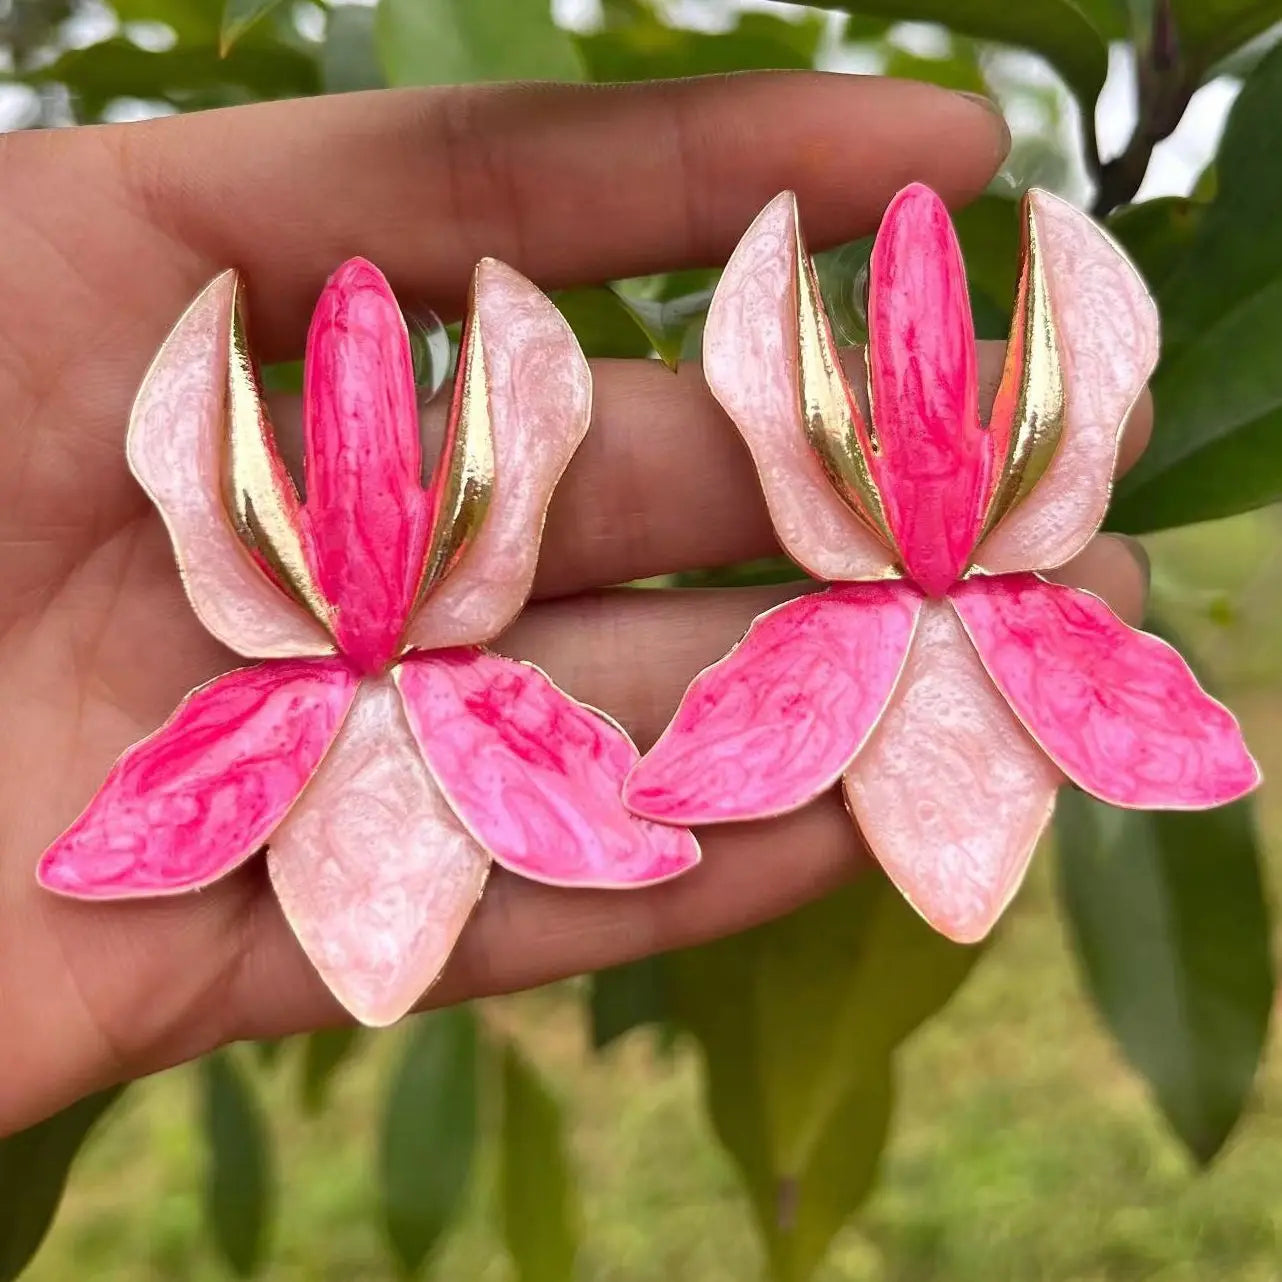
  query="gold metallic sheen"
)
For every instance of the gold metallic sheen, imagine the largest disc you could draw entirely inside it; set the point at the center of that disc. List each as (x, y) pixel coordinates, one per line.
(827, 410)
(463, 482)
(259, 493)
(1032, 385)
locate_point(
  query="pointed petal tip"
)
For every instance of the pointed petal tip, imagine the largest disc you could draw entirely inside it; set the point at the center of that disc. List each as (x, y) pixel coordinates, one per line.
(968, 923)
(357, 271)
(916, 199)
(385, 1013)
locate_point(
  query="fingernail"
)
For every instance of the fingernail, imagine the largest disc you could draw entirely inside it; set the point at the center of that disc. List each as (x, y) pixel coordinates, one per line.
(994, 109)
(1140, 554)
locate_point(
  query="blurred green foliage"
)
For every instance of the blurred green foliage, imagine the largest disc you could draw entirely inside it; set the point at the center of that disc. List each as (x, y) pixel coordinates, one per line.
(799, 1022)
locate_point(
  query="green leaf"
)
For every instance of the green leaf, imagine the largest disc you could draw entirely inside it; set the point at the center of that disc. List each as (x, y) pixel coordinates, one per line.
(603, 326)
(429, 1134)
(667, 307)
(1072, 36)
(268, 1051)
(644, 48)
(1172, 930)
(450, 42)
(186, 76)
(1209, 30)
(238, 17)
(1217, 441)
(536, 1185)
(1158, 234)
(989, 232)
(798, 1021)
(193, 21)
(33, 1173)
(239, 1179)
(349, 60)
(627, 997)
(960, 72)
(324, 1053)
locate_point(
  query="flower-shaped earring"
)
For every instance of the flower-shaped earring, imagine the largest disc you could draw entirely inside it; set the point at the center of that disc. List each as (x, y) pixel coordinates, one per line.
(955, 693)
(379, 753)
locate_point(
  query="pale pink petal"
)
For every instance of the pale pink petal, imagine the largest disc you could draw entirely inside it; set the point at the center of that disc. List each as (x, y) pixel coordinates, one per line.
(951, 792)
(932, 459)
(175, 448)
(540, 403)
(189, 803)
(1108, 327)
(780, 718)
(1117, 709)
(535, 775)
(750, 362)
(365, 501)
(374, 871)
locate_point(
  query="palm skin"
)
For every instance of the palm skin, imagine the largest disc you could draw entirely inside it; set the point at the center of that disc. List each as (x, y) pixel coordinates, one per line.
(105, 235)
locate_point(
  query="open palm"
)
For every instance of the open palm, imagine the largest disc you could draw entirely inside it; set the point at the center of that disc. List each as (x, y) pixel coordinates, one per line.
(106, 233)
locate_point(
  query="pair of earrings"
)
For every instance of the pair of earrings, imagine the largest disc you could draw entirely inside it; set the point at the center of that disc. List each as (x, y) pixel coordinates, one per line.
(385, 758)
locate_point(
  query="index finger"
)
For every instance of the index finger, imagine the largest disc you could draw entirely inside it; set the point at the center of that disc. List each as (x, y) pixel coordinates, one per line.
(565, 183)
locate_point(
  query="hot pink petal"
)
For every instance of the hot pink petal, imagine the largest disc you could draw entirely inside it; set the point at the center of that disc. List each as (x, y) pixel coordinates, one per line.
(1117, 709)
(951, 792)
(779, 719)
(1108, 328)
(540, 404)
(375, 873)
(192, 801)
(749, 345)
(932, 459)
(175, 447)
(365, 502)
(535, 775)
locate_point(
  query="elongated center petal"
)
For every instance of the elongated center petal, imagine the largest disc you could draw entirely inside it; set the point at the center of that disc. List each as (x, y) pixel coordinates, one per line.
(365, 500)
(930, 456)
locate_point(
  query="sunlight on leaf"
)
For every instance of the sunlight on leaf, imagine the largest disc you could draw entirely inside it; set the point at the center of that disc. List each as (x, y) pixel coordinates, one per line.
(238, 17)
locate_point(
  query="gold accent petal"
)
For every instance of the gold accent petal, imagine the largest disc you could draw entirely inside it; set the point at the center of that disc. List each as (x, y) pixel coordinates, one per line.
(1031, 391)
(828, 412)
(258, 491)
(463, 481)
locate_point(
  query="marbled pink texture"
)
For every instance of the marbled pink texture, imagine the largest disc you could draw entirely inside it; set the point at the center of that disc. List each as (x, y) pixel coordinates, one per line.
(749, 341)
(1108, 340)
(540, 407)
(777, 721)
(195, 799)
(932, 461)
(375, 867)
(953, 775)
(374, 870)
(366, 509)
(1118, 710)
(175, 449)
(533, 774)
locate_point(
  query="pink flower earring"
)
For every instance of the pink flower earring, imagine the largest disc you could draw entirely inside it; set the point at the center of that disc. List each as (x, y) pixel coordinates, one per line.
(947, 684)
(381, 755)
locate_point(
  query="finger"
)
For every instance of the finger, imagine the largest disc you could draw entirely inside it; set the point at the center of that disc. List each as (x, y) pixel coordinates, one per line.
(565, 183)
(1114, 567)
(524, 934)
(663, 482)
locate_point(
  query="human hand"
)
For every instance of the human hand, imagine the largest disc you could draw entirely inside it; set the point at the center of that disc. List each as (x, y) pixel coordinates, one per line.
(108, 232)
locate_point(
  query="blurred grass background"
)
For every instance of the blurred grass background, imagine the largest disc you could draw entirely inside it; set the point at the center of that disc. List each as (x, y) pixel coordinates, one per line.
(1024, 1149)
